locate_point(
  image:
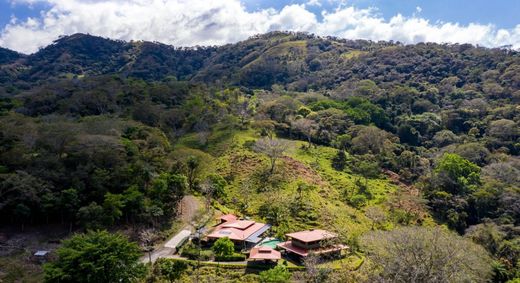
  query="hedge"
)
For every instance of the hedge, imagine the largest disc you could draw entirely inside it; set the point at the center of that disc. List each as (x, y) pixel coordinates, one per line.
(233, 257)
(191, 252)
(259, 266)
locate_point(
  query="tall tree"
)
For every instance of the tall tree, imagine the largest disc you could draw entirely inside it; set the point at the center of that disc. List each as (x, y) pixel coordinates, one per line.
(96, 257)
(192, 166)
(272, 147)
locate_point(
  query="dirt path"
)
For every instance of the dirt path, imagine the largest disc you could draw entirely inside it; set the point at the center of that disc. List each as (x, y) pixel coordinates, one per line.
(189, 207)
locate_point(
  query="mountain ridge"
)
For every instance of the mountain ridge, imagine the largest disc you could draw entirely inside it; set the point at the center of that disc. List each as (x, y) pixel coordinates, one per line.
(297, 61)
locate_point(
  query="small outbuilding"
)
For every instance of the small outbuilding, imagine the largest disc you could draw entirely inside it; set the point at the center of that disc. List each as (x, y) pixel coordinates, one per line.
(177, 241)
(41, 256)
(265, 254)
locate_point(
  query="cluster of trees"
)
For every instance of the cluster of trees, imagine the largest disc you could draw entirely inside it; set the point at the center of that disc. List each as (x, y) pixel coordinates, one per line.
(93, 172)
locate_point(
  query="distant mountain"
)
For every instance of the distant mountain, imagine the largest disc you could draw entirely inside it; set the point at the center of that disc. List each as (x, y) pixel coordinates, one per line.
(87, 55)
(298, 61)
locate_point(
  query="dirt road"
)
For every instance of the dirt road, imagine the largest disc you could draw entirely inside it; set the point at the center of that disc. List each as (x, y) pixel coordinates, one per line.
(188, 211)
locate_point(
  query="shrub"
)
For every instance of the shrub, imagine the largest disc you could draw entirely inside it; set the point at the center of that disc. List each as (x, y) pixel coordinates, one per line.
(358, 201)
(223, 247)
(170, 269)
(191, 251)
(278, 274)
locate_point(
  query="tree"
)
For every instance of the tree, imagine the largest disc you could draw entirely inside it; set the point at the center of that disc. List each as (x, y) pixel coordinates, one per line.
(69, 202)
(370, 139)
(313, 273)
(307, 127)
(113, 207)
(273, 148)
(456, 174)
(91, 216)
(503, 129)
(420, 254)
(97, 256)
(147, 238)
(367, 169)
(192, 165)
(171, 270)
(444, 138)
(340, 160)
(302, 189)
(376, 214)
(506, 172)
(167, 191)
(223, 247)
(278, 274)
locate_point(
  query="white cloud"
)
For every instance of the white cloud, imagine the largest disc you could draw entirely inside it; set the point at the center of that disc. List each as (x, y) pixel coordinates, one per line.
(314, 3)
(202, 22)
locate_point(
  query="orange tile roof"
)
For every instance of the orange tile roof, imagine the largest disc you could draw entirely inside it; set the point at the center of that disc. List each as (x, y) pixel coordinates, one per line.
(312, 235)
(238, 224)
(228, 217)
(238, 230)
(264, 253)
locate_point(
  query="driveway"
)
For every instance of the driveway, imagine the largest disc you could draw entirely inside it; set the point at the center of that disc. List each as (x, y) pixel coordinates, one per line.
(188, 211)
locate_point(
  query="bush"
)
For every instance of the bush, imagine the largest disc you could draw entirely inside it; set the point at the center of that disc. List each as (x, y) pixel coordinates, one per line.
(223, 247)
(358, 201)
(278, 274)
(170, 269)
(191, 251)
(233, 257)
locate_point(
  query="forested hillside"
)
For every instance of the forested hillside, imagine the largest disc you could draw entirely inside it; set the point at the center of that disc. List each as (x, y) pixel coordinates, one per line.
(289, 128)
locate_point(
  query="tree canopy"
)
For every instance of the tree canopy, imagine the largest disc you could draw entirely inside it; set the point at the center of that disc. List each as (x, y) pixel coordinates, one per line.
(97, 256)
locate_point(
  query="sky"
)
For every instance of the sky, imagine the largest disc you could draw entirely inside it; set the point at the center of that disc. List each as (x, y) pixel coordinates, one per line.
(27, 25)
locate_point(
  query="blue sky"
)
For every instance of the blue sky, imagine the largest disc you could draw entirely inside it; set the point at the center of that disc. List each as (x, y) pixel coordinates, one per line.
(502, 13)
(211, 22)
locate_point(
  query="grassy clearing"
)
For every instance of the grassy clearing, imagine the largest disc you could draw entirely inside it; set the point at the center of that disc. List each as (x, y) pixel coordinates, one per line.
(325, 206)
(353, 54)
(19, 268)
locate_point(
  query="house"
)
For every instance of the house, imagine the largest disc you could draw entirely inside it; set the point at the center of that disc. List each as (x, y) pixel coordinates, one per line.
(319, 242)
(264, 254)
(245, 232)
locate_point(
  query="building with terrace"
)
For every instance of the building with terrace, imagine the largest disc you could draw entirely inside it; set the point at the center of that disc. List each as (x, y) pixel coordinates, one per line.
(318, 242)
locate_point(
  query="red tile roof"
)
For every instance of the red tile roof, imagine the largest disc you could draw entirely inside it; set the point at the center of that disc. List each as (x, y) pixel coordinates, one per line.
(228, 217)
(238, 224)
(264, 253)
(238, 230)
(312, 235)
(288, 246)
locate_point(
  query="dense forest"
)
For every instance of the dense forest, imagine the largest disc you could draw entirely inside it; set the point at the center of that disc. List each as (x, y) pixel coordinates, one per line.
(362, 135)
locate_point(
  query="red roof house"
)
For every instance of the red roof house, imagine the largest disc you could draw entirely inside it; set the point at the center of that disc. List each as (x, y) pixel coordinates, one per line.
(238, 230)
